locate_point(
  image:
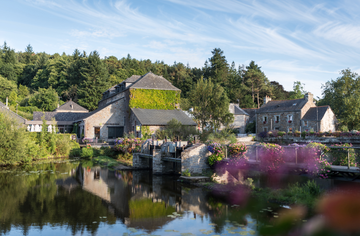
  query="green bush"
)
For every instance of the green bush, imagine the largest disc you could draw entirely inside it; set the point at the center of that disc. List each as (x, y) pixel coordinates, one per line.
(224, 136)
(63, 147)
(250, 127)
(87, 152)
(175, 129)
(76, 152)
(339, 155)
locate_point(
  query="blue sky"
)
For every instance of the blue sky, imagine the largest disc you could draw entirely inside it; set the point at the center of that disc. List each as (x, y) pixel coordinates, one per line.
(307, 41)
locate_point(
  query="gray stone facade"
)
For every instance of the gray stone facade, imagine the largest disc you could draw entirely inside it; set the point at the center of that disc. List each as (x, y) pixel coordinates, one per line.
(195, 158)
(294, 115)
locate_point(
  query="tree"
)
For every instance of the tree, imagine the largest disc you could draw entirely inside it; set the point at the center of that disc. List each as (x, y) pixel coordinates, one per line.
(298, 91)
(28, 54)
(6, 87)
(219, 68)
(279, 92)
(45, 99)
(210, 104)
(95, 82)
(257, 82)
(343, 95)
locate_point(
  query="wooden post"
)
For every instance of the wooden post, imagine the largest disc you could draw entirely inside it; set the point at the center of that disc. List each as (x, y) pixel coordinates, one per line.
(348, 156)
(226, 154)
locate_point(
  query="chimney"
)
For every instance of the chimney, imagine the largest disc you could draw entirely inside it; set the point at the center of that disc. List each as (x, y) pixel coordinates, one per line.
(309, 97)
(267, 99)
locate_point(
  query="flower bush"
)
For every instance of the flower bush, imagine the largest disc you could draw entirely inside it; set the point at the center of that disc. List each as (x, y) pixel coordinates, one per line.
(315, 161)
(271, 157)
(237, 150)
(128, 145)
(217, 153)
(339, 155)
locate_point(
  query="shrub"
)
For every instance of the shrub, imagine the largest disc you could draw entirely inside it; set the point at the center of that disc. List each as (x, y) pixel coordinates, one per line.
(224, 136)
(87, 152)
(250, 127)
(237, 150)
(62, 147)
(76, 152)
(271, 157)
(339, 155)
(127, 145)
(174, 128)
(186, 173)
(217, 153)
(263, 134)
(281, 133)
(344, 128)
(314, 158)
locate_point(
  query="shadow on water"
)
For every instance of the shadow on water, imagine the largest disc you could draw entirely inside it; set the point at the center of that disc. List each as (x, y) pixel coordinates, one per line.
(71, 198)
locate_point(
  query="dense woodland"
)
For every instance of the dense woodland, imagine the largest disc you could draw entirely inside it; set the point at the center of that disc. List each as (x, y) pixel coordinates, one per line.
(39, 81)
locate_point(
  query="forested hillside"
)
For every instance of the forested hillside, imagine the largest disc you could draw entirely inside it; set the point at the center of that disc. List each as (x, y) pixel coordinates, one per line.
(39, 81)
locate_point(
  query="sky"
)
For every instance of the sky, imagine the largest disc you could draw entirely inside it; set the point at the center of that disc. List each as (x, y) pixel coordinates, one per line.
(307, 41)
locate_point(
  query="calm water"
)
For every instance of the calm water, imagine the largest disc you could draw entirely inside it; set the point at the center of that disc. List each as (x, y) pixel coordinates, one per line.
(73, 198)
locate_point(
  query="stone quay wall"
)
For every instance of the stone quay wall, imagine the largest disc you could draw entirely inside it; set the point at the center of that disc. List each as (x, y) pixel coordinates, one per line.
(195, 158)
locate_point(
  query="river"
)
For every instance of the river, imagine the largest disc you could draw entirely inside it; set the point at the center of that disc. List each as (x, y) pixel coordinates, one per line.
(80, 198)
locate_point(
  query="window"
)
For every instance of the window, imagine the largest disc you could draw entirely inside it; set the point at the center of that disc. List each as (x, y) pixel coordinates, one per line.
(115, 132)
(265, 119)
(97, 132)
(290, 118)
(277, 128)
(265, 129)
(305, 123)
(277, 119)
(290, 129)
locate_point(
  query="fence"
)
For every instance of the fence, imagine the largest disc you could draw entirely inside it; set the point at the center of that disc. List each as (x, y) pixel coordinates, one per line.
(337, 156)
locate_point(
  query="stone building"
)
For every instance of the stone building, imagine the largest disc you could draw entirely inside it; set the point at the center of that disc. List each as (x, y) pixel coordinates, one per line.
(291, 115)
(63, 117)
(240, 118)
(139, 101)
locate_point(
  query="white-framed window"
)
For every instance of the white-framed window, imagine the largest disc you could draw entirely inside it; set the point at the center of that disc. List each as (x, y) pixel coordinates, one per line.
(277, 119)
(265, 119)
(305, 122)
(290, 130)
(290, 118)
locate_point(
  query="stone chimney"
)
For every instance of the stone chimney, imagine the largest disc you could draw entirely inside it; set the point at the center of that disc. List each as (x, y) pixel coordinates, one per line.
(267, 99)
(309, 97)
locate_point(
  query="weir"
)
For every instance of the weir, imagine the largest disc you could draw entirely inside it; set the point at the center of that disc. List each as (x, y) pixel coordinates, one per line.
(172, 157)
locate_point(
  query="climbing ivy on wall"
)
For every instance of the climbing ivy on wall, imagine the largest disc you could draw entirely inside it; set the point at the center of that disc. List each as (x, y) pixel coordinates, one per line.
(154, 99)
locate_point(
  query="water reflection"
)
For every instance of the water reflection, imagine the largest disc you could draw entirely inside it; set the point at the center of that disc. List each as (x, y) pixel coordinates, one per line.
(76, 198)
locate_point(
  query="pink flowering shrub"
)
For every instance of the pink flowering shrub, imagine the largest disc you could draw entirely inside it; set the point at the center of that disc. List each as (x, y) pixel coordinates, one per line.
(314, 159)
(128, 145)
(217, 155)
(237, 150)
(271, 157)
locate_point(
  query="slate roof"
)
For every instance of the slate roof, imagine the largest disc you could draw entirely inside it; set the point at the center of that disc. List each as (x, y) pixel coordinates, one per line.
(71, 106)
(316, 112)
(10, 113)
(161, 117)
(132, 79)
(282, 105)
(236, 110)
(152, 81)
(59, 116)
(251, 112)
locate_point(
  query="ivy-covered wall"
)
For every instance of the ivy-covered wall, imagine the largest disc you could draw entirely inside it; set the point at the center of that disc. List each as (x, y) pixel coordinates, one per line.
(154, 99)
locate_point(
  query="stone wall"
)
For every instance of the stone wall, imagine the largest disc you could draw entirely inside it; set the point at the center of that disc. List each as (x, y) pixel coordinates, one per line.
(239, 123)
(283, 124)
(328, 122)
(112, 115)
(194, 159)
(140, 162)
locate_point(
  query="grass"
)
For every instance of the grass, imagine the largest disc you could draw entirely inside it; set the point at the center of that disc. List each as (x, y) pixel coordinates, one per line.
(305, 194)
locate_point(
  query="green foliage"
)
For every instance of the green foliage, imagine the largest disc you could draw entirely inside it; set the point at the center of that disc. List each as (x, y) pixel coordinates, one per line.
(145, 132)
(250, 127)
(342, 154)
(344, 128)
(45, 99)
(298, 91)
(186, 173)
(87, 152)
(175, 129)
(302, 194)
(224, 136)
(211, 104)
(154, 99)
(6, 87)
(343, 96)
